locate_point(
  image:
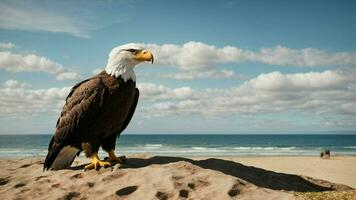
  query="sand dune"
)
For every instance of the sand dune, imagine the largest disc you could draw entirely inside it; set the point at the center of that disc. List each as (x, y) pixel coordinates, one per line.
(161, 178)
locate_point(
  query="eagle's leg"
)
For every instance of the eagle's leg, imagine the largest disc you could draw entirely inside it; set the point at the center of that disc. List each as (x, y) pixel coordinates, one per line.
(114, 158)
(96, 162)
(109, 146)
(91, 150)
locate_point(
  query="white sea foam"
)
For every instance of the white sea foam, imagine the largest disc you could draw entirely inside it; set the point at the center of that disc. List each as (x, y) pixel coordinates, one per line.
(153, 146)
(199, 148)
(264, 148)
(242, 148)
(350, 147)
(179, 150)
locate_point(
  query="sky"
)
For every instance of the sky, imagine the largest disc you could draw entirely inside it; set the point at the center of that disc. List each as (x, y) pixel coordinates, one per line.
(234, 67)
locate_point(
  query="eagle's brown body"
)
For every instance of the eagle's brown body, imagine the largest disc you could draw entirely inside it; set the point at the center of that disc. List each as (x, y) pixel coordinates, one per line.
(96, 111)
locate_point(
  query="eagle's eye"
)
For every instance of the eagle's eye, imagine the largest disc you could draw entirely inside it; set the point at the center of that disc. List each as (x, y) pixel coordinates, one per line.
(134, 51)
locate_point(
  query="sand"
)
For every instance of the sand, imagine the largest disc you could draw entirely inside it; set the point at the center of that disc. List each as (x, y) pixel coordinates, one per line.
(144, 177)
(339, 169)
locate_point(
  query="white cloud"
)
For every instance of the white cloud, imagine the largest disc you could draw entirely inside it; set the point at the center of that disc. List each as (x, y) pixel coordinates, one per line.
(20, 100)
(154, 92)
(209, 74)
(313, 92)
(302, 81)
(304, 57)
(192, 55)
(329, 97)
(13, 84)
(17, 62)
(322, 94)
(184, 75)
(6, 45)
(70, 75)
(198, 56)
(28, 19)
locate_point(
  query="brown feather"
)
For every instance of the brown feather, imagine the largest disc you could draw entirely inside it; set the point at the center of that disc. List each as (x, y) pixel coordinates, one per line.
(95, 109)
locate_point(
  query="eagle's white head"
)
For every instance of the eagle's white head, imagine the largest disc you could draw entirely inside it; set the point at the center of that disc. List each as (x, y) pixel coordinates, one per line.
(124, 58)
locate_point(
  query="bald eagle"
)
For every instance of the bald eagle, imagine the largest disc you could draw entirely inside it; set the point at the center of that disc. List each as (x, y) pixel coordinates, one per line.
(97, 111)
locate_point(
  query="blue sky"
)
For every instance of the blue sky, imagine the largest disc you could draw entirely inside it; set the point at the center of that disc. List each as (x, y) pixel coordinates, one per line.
(221, 66)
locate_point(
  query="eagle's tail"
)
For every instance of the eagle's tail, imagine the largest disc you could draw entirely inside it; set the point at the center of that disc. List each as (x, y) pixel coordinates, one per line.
(59, 157)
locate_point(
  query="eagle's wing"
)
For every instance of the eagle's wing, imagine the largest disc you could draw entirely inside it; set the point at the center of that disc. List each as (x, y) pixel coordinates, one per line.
(132, 111)
(82, 104)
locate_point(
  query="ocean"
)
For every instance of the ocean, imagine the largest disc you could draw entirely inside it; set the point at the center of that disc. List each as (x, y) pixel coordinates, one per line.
(21, 146)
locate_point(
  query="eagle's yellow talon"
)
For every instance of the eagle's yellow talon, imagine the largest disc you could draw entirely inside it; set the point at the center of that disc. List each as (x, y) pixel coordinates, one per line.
(113, 157)
(96, 163)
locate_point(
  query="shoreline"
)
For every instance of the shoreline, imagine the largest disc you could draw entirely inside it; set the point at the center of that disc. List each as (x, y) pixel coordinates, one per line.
(102, 155)
(214, 145)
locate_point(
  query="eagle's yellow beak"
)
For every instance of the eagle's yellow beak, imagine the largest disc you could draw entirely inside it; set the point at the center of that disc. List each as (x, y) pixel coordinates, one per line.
(144, 55)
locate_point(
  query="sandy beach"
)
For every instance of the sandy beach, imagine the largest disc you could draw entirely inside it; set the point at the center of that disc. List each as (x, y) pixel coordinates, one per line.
(144, 177)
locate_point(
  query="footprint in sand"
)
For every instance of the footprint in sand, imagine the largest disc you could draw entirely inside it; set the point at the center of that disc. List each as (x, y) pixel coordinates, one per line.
(90, 184)
(112, 177)
(183, 193)
(4, 181)
(25, 165)
(80, 175)
(177, 177)
(161, 195)
(183, 190)
(70, 195)
(55, 185)
(19, 185)
(39, 177)
(234, 190)
(191, 186)
(198, 183)
(126, 191)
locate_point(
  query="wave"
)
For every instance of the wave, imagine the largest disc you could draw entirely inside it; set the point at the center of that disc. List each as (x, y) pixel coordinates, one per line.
(199, 150)
(153, 146)
(350, 147)
(264, 148)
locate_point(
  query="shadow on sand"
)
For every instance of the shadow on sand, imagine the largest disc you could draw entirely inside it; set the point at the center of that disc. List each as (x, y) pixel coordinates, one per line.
(257, 176)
